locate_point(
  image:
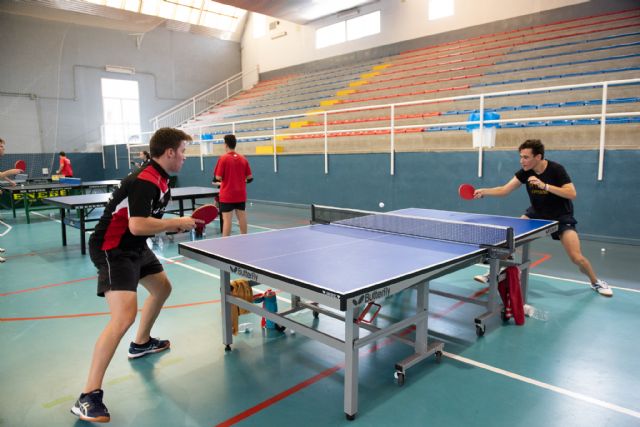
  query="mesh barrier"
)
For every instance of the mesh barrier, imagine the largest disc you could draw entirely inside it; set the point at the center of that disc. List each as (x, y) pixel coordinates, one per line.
(36, 163)
(430, 228)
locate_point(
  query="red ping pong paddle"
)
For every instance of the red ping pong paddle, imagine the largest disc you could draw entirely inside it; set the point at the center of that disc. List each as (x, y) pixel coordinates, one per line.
(466, 191)
(21, 164)
(206, 214)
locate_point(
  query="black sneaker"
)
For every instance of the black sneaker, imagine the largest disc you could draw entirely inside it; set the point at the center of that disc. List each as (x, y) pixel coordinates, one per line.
(89, 407)
(154, 345)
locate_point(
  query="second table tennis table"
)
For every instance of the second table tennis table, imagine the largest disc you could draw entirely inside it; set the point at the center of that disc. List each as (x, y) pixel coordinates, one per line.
(82, 204)
(347, 259)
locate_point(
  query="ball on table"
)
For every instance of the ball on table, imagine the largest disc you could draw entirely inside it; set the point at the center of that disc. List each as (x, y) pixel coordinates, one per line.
(381, 204)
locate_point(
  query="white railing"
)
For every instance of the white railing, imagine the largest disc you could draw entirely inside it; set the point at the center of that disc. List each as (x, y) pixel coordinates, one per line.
(205, 146)
(272, 134)
(206, 100)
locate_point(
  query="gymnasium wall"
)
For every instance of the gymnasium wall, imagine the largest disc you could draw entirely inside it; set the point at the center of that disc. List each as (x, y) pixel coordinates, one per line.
(606, 210)
(50, 90)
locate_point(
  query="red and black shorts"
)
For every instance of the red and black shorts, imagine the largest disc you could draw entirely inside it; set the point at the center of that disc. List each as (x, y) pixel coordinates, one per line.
(122, 269)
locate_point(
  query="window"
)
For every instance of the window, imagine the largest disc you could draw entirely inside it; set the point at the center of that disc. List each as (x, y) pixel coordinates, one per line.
(440, 9)
(121, 105)
(350, 29)
(259, 24)
(330, 35)
(363, 26)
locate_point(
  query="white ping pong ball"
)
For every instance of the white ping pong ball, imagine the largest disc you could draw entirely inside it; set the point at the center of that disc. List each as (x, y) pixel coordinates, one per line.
(603, 250)
(381, 204)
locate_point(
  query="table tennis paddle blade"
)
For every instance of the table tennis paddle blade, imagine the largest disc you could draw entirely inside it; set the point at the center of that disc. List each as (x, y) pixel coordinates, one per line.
(206, 214)
(21, 164)
(466, 191)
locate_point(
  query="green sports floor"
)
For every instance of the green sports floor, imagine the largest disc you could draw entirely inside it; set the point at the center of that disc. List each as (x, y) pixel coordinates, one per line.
(575, 364)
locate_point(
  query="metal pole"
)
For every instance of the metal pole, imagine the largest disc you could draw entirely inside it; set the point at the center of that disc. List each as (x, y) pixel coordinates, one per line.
(393, 140)
(480, 152)
(603, 124)
(275, 155)
(326, 145)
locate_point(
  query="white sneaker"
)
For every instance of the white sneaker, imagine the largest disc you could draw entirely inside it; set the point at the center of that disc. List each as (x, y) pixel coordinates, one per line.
(482, 278)
(1, 250)
(602, 288)
(2, 259)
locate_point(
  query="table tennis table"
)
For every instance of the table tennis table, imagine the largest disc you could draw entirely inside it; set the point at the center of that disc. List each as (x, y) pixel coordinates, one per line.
(83, 204)
(32, 193)
(348, 259)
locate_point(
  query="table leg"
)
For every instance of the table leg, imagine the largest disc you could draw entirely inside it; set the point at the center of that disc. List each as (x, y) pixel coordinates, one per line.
(225, 308)
(524, 275)
(63, 226)
(181, 205)
(351, 362)
(83, 245)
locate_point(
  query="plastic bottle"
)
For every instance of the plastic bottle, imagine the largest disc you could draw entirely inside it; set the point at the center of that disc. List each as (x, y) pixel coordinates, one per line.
(535, 313)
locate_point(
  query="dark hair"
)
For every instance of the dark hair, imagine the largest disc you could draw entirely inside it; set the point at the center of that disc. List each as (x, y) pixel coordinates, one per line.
(535, 145)
(146, 154)
(230, 140)
(166, 138)
(63, 154)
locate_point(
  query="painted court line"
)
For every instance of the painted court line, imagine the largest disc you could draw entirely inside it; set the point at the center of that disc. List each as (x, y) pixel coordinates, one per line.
(556, 389)
(7, 230)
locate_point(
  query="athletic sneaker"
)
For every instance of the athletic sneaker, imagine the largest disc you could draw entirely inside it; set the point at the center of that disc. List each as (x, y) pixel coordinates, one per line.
(1, 250)
(602, 288)
(89, 407)
(154, 345)
(482, 278)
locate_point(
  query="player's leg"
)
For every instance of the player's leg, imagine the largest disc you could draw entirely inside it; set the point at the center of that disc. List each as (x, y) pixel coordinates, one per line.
(241, 214)
(571, 243)
(227, 218)
(123, 306)
(155, 280)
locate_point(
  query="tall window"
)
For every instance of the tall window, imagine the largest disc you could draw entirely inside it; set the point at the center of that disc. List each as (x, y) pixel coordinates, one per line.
(440, 9)
(121, 105)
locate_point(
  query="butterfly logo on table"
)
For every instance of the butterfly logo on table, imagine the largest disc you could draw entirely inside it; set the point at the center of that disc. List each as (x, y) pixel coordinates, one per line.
(243, 272)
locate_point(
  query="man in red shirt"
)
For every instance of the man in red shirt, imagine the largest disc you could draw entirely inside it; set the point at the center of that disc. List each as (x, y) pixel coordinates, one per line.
(232, 173)
(65, 166)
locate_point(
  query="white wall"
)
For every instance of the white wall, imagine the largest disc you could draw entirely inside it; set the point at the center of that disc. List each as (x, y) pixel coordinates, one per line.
(401, 20)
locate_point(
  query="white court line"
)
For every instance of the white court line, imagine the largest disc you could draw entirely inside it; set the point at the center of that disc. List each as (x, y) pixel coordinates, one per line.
(7, 230)
(580, 282)
(556, 389)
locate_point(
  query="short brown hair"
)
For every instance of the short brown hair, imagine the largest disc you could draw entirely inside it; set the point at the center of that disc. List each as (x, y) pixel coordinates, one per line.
(535, 145)
(230, 140)
(165, 138)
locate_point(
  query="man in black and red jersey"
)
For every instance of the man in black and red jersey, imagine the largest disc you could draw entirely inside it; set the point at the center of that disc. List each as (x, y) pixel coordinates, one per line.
(232, 173)
(550, 191)
(119, 250)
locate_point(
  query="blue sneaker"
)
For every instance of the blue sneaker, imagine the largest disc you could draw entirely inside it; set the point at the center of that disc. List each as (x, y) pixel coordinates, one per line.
(154, 345)
(89, 407)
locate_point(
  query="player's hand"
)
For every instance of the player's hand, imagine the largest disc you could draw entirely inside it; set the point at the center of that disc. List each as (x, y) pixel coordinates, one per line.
(184, 223)
(534, 181)
(479, 193)
(11, 183)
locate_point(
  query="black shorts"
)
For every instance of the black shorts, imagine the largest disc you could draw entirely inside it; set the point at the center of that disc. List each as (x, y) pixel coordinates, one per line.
(565, 222)
(122, 269)
(229, 207)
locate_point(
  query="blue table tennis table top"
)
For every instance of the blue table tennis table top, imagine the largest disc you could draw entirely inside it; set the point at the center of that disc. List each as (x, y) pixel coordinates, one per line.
(346, 261)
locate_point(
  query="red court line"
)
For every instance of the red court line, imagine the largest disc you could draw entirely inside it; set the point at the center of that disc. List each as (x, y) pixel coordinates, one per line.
(100, 313)
(545, 257)
(37, 288)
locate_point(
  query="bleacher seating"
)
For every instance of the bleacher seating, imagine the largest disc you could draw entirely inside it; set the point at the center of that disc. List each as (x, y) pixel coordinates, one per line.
(577, 51)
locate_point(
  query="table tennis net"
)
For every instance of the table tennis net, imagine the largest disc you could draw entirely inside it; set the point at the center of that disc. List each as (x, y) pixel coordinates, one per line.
(430, 228)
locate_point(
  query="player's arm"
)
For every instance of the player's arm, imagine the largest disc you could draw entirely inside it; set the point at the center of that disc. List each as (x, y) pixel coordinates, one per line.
(147, 226)
(501, 191)
(566, 191)
(249, 179)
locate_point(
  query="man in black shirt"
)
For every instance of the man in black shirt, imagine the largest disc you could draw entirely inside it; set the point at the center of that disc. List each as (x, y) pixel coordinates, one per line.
(550, 191)
(119, 251)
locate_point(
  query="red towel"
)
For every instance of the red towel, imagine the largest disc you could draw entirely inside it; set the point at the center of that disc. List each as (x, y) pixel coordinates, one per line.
(511, 295)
